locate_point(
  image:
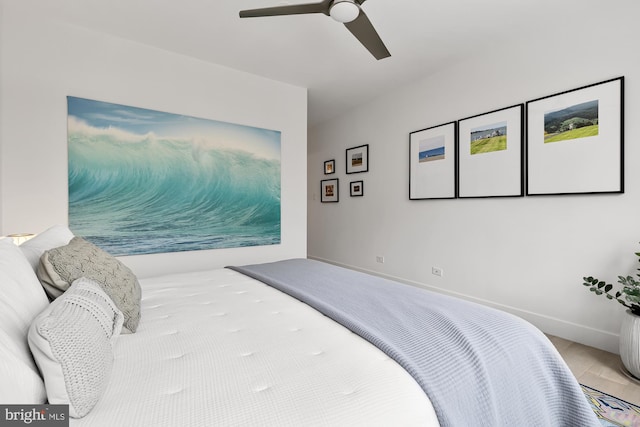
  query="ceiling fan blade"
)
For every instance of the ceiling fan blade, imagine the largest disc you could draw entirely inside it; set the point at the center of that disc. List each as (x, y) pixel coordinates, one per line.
(362, 28)
(293, 9)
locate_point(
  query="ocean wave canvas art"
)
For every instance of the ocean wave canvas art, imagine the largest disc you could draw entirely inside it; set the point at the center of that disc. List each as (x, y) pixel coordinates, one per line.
(143, 181)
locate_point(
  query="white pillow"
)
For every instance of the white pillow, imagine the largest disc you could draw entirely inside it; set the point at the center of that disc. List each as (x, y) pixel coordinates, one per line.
(21, 299)
(54, 237)
(72, 342)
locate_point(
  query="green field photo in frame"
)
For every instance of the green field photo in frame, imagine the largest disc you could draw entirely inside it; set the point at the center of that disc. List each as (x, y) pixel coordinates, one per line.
(574, 133)
(490, 154)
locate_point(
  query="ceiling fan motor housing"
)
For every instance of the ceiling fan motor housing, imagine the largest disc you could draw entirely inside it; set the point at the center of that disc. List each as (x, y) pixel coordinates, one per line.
(344, 10)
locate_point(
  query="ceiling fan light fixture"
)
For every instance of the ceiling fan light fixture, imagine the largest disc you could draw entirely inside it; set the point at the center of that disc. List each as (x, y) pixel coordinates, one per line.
(344, 11)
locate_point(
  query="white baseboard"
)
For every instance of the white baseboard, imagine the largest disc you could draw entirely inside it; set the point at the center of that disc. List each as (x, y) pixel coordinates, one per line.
(550, 325)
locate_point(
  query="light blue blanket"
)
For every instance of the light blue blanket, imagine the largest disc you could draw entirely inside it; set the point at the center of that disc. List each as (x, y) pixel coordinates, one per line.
(477, 365)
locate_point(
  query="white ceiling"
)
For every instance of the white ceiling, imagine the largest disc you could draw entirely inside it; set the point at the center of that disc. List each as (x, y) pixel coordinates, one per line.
(313, 51)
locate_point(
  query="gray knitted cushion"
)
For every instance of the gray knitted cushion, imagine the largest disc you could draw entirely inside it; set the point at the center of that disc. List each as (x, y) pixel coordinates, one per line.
(72, 343)
(59, 267)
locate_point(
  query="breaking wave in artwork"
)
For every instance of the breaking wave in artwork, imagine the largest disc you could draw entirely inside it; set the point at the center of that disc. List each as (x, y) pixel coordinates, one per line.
(152, 194)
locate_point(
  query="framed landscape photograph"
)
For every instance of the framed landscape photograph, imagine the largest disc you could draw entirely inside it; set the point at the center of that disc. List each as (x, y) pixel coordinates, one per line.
(432, 162)
(358, 159)
(329, 167)
(329, 190)
(575, 141)
(490, 154)
(357, 189)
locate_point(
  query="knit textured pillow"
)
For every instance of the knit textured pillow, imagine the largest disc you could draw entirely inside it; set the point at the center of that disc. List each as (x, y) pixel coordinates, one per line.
(59, 267)
(72, 343)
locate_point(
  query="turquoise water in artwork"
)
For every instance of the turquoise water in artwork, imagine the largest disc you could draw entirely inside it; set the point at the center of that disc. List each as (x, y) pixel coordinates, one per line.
(140, 193)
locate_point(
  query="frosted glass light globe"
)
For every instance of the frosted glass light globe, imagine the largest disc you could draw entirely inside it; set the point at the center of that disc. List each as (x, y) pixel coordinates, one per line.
(344, 11)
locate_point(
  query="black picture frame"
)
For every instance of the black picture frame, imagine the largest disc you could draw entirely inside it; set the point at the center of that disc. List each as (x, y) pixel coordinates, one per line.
(330, 190)
(432, 162)
(357, 159)
(330, 167)
(356, 189)
(491, 154)
(575, 141)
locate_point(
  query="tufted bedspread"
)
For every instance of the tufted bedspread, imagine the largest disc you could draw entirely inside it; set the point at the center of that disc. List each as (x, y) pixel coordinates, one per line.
(478, 365)
(218, 348)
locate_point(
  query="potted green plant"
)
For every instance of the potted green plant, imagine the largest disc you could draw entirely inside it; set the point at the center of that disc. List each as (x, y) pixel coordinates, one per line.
(629, 296)
(630, 290)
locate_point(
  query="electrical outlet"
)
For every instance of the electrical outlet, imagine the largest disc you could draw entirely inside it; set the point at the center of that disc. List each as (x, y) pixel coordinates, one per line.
(380, 259)
(437, 271)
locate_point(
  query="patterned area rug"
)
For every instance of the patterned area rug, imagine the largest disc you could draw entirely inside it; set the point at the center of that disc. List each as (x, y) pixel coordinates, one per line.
(611, 411)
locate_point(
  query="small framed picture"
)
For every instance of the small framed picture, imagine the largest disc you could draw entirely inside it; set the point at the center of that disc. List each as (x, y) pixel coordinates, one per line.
(358, 159)
(357, 189)
(329, 167)
(329, 190)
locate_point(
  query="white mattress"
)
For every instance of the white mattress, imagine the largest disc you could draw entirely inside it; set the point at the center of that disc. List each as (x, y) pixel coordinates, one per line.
(218, 348)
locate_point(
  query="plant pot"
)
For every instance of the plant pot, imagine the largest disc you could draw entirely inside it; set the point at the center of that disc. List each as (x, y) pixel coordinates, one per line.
(630, 343)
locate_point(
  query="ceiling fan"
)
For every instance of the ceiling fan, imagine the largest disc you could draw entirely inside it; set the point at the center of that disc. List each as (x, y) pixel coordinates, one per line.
(346, 11)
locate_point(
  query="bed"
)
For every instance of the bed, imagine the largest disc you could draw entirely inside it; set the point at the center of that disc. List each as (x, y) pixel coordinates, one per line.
(294, 342)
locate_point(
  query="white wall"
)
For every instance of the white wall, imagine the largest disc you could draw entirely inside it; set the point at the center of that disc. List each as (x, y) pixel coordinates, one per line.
(44, 61)
(525, 255)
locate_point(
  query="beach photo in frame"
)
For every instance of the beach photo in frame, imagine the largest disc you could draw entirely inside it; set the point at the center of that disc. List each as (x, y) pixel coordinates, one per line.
(490, 154)
(329, 167)
(357, 159)
(432, 162)
(356, 189)
(329, 190)
(575, 141)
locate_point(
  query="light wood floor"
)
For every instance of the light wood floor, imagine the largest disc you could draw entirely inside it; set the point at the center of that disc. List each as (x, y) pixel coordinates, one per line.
(598, 369)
